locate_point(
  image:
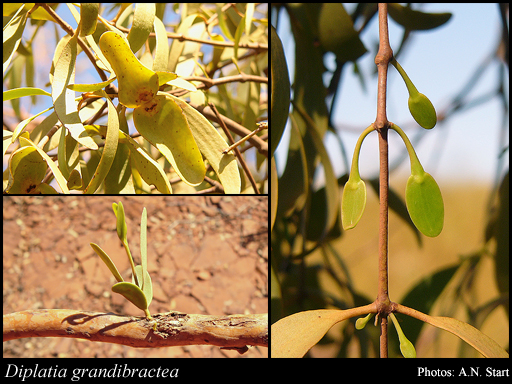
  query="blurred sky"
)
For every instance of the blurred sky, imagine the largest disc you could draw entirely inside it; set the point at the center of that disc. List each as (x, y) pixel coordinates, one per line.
(462, 149)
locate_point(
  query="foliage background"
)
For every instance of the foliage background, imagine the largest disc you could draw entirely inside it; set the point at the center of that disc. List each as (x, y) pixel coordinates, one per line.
(230, 99)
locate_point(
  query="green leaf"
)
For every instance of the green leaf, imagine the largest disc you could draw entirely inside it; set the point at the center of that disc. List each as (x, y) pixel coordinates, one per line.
(337, 33)
(280, 91)
(425, 203)
(211, 144)
(149, 169)
(122, 229)
(20, 92)
(144, 246)
(353, 201)
(148, 285)
(481, 342)
(354, 192)
(142, 26)
(416, 20)
(406, 347)
(132, 293)
(163, 123)
(422, 194)
(64, 99)
(420, 106)
(422, 110)
(361, 322)
(294, 335)
(88, 18)
(109, 150)
(90, 87)
(108, 262)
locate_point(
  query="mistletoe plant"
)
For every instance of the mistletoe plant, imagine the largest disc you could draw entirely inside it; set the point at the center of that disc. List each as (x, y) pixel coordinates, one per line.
(294, 335)
(140, 291)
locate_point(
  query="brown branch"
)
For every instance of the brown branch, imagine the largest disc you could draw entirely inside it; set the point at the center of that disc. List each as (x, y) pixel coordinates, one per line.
(172, 329)
(382, 60)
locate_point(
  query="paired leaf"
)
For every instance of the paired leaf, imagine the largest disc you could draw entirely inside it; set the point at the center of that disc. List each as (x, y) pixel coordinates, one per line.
(163, 124)
(420, 106)
(422, 194)
(354, 192)
(406, 347)
(294, 335)
(137, 84)
(425, 203)
(132, 293)
(353, 201)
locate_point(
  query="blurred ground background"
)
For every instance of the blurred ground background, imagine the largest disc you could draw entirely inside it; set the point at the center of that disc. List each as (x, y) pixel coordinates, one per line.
(206, 255)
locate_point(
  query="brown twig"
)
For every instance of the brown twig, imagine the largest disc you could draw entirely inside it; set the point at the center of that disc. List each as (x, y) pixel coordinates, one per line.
(236, 150)
(382, 60)
(172, 328)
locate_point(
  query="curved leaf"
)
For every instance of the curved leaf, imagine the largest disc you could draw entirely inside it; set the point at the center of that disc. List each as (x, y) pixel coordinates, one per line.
(109, 150)
(481, 342)
(20, 92)
(88, 18)
(294, 335)
(143, 18)
(64, 99)
(273, 192)
(211, 144)
(416, 20)
(425, 204)
(163, 123)
(24, 141)
(280, 91)
(337, 34)
(108, 262)
(132, 293)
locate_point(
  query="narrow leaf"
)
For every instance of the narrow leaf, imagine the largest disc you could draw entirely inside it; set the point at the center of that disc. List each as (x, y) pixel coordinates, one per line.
(108, 262)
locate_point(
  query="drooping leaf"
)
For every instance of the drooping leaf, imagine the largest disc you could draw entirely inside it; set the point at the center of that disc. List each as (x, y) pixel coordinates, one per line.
(294, 335)
(337, 33)
(416, 20)
(64, 98)
(425, 204)
(163, 123)
(280, 91)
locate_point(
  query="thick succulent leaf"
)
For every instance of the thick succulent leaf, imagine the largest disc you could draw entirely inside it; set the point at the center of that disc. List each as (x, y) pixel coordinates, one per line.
(211, 144)
(163, 123)
(132, 293)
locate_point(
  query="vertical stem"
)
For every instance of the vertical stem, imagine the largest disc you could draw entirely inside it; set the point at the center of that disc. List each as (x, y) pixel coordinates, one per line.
(382, 60)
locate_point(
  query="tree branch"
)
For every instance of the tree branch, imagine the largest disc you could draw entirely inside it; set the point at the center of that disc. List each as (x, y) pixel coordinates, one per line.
(382, 60)
(172, 328)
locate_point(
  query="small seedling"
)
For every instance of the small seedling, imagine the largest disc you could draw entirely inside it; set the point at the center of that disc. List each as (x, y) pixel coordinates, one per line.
(140, 291)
